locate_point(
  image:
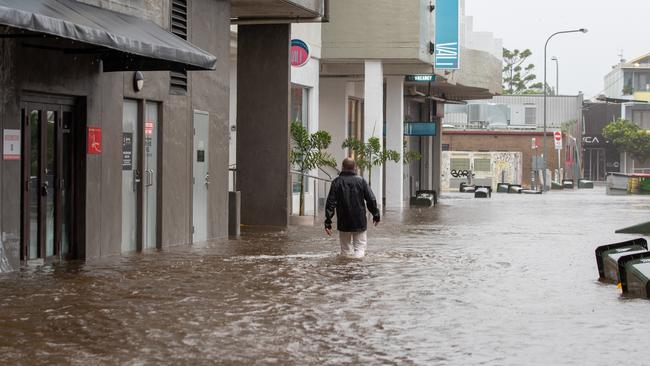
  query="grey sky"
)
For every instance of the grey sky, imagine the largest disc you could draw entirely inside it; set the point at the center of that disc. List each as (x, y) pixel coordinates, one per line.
(584, 58)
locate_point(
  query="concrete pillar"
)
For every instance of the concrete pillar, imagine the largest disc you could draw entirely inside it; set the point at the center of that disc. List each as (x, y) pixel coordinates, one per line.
(332, 115)
(263, 87)
(395, 140)
(436, 162)
(373, 124)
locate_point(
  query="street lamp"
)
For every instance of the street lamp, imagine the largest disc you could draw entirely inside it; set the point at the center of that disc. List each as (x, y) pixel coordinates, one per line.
(581, 30)
(557, 74)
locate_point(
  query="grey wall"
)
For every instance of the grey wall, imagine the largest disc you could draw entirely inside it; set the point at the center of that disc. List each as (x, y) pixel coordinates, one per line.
(263, 124)
(23, 69)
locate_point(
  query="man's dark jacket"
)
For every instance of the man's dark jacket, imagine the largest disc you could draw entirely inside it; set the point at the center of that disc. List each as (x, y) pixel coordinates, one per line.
(347, 196)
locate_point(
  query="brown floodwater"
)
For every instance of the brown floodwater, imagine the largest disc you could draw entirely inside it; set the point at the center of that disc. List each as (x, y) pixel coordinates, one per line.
(509, 280)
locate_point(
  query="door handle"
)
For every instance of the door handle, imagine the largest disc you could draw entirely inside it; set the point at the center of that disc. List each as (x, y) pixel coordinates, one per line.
(149, 177)
(136, 180)
(44, 187)
(207, 180)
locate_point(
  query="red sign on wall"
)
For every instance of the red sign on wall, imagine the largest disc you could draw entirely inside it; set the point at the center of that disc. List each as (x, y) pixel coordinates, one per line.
(94, 140)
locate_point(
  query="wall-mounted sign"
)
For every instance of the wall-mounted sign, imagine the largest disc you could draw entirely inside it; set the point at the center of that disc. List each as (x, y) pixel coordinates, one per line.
(447, 51)
(127, 151)
(94, 140)
(557, 137)
(424, 78)
(419, 129)
(148, 128)
(11, 143)
(299, 53)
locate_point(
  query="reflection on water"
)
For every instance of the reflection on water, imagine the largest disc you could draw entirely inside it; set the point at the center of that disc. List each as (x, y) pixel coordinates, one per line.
(505, 281)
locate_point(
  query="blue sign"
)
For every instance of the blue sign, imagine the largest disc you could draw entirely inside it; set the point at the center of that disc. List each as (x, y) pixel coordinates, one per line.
(447, 35)
(419, 129)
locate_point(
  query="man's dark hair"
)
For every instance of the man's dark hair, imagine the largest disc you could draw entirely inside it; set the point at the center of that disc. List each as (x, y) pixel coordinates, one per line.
(349, 164)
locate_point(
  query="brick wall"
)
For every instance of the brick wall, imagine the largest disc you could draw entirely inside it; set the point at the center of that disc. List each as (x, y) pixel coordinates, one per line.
(503, 141)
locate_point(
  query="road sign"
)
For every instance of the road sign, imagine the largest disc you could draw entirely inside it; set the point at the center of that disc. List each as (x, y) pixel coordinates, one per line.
(557, 137)
(533, 143)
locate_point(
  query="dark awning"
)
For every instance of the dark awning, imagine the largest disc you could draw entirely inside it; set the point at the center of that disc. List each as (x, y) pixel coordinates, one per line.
(126, 42)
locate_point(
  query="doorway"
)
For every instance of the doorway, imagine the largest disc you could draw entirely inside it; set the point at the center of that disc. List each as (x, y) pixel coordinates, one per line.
(140, 175)
(49, 175)
(595, 164)
(201, 176)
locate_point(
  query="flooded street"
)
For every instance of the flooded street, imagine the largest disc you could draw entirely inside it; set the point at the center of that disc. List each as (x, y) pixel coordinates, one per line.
(510, 280)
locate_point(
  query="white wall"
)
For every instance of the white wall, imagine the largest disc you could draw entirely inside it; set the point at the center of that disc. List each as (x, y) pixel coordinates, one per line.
(308, 76)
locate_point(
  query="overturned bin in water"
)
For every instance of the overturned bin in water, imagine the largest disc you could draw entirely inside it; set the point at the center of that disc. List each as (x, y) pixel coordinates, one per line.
(607, 257)
(634, 274)
(424, 198)
(503, 187)
(483, 192)
(515, 188)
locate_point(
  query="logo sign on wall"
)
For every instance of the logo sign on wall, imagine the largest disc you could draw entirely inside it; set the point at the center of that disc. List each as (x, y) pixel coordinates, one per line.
(94, 140)
(299, 53)
(447, 54)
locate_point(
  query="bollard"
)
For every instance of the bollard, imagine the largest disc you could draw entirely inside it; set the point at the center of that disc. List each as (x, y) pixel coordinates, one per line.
(607, 257)
(503, 187)
(425, 198)
(585, 184)
(634, 274)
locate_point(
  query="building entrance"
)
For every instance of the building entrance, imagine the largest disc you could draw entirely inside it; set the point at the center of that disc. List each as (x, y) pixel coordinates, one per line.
(48, 175)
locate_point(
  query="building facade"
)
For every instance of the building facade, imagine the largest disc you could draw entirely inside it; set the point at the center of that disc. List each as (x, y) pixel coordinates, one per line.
(116, 136)
(515, 123)
(378, 79)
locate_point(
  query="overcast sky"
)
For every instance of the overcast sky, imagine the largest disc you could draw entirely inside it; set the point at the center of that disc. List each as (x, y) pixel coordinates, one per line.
(584, 59)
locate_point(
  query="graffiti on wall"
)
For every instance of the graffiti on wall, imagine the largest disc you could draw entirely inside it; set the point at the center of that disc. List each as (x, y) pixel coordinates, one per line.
(503, 167)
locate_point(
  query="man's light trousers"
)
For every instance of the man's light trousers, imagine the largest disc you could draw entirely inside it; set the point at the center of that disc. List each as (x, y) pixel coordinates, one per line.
(353, 243)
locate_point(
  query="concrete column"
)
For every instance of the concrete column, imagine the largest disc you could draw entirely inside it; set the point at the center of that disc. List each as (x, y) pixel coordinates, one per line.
(395, 139)
(436, 162)
(332, 114)
(373, 124)
(263, 123)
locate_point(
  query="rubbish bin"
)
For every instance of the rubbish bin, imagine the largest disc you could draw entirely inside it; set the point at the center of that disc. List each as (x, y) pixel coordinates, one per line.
(568, 184)
(502, 187)
(634, 272)
(424, 198)
(483, 192)
(607, 257)
(585, 184)
(514, 188)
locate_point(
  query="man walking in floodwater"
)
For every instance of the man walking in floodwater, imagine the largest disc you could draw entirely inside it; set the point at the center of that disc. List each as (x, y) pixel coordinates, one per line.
(349, 195)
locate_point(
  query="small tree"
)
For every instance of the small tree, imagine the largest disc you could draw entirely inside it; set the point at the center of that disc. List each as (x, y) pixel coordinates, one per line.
(410, 156)
(369, 154)
(630, 138)
(307, 154)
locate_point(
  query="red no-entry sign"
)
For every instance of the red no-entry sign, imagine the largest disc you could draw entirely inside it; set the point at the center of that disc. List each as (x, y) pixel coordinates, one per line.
(557, 137)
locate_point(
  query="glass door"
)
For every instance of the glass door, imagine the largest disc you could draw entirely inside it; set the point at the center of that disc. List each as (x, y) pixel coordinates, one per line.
(140, 133)
(47, 181)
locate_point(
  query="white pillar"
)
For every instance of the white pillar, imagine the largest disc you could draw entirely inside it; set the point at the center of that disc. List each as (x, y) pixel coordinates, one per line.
(395, 140)
(373, 124)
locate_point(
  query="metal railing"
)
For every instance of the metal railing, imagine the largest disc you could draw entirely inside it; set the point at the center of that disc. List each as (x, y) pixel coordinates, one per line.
(315, 182)
(319, 185)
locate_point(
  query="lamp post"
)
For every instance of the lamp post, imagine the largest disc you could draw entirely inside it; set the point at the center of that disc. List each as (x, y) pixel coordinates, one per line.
(557, 74)
(581, 30)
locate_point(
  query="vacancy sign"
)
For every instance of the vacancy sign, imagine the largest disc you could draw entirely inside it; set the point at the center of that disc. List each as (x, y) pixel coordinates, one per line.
(11, 143)
(94, 140)
(557, 137)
